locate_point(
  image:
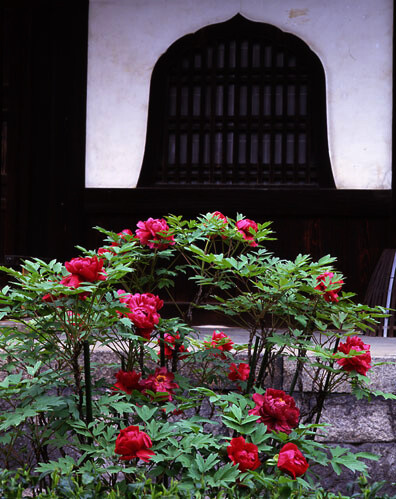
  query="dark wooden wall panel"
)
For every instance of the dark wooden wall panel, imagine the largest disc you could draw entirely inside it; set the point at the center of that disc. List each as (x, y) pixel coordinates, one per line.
(44, 51)
(354, 226)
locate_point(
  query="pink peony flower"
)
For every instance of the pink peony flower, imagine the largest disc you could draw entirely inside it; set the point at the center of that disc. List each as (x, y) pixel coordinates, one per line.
(143, 310)
(102, 251)
(122, 234)
(245, 227)
(72, 281)
(361, 363)
(154, 233)
(329, 295)
(148, 298)
(277, 410)
(224, 222)
(87, 269)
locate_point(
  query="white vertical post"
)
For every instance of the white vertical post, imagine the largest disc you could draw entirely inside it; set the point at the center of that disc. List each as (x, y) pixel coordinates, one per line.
(389, 295)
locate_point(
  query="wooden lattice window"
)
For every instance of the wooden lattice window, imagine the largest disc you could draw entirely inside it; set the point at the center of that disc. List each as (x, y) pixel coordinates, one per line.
(237, 103)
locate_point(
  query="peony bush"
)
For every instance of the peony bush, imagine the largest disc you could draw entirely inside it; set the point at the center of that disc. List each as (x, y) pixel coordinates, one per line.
(170, 413)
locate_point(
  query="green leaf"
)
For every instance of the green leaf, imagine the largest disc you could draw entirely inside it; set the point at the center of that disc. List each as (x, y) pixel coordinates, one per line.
(33, 370)
(145, 413)
(260, 435)
(64, 464)
(284, 492)
(337, 451)
(237, 412)
(379, 393)
(368, 455)
(336, 468)
(200, 463)
(224, 475)
(245, 429)
(194, 472)
(345, 458)
(17, 417)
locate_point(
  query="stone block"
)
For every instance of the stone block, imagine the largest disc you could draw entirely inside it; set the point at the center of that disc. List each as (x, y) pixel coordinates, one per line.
(382, 377)
(357, 421)
(307, 381)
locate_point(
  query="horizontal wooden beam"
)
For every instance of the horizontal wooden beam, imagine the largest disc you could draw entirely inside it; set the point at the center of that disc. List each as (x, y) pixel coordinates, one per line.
(263, 203)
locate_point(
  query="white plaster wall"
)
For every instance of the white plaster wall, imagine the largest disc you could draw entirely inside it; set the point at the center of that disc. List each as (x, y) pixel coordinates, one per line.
(353, 39)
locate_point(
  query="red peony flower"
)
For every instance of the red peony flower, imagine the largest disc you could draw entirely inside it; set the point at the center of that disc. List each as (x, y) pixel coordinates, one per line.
(161, 381)
(244, 227)
(224, 222)
(143, 310)
(148, 298)
(220, 216)
(169, 341)
(153, 233)
(361, 363)
(329, 295)
(132, 443)
(48, 298)
(87, 269)
(72, 281)
(240, 372)
(277, 410)
(243, 454)
(102, 251)
(220, 341)
(122, 234)
(292, 461)
(74, 319)
(127, 381)
(125, 232)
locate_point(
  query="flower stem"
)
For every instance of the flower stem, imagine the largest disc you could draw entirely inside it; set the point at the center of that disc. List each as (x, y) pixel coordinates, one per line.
(264, 365)
(162, 348)
(301, 354)
(88, 385)
(253, 366)
(323, 393)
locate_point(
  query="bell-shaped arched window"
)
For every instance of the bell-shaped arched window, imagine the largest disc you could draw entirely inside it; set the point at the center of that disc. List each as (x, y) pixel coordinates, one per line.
(239, 103)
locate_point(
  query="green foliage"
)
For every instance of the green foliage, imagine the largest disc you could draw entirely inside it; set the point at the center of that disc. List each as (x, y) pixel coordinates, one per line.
(61, 417)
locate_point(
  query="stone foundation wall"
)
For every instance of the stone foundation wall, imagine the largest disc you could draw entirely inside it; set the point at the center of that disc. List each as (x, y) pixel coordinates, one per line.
(361, 425)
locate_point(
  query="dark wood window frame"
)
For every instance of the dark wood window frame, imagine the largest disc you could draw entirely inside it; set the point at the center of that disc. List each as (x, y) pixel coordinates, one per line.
(237, 104)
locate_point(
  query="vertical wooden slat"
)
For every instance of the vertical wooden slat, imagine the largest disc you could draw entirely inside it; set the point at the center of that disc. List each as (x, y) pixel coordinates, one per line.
(235, 166)
(249, 168)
